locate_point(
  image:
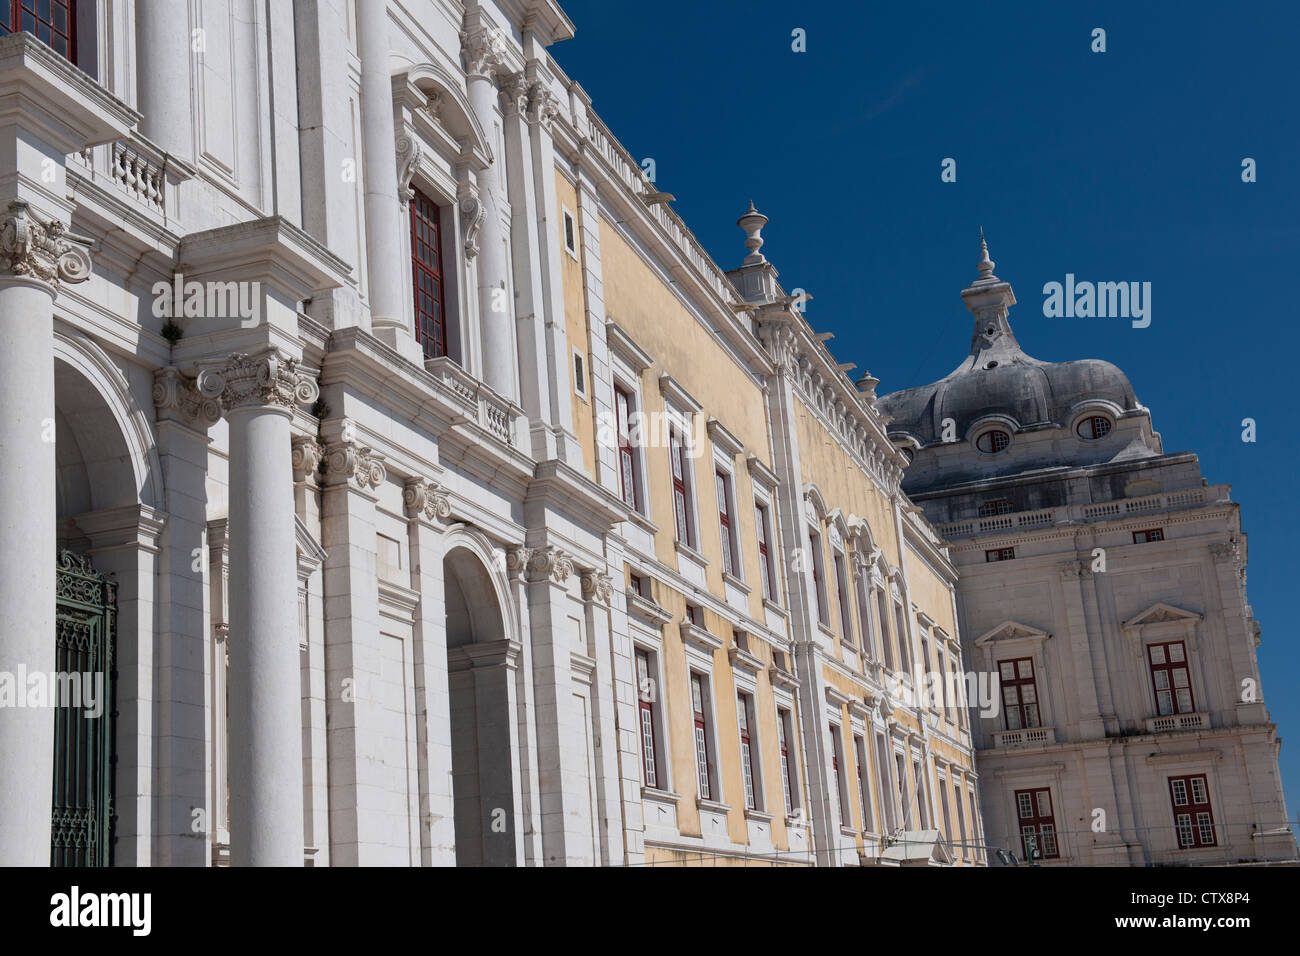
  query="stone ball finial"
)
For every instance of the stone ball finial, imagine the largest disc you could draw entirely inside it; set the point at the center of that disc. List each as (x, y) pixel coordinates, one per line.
(753, 222)
(867, 385)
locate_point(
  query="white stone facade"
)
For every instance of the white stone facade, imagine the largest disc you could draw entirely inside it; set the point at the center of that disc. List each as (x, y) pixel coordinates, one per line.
(1085, 553)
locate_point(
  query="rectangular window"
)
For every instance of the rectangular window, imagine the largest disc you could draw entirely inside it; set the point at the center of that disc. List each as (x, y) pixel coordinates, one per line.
(695, 614)
(864, 788)
(904, 648)
(647, 696)
(1037, 824)
(53, 22)
(1151, 534)
(681, 489)
(1019, 693)
(904, 802)
(961, 816)
(995, 506)
(819, 577)
(579, 375)
(1000, 554)
(864, 618)
(623, 409)
(922, 794)
(886, 802)
(842, 597)
(841, 795)
(703, 757)
(882, 615)
(925, 663)
(766, 569)
(1193, 815)
(570, 234)
(789, 785)
(748, 763)
(426, 276)
(947, 813)
(722, 483)
(1170, 678)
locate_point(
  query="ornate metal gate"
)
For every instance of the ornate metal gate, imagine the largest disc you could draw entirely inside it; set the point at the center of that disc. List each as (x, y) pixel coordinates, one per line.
(83, 745)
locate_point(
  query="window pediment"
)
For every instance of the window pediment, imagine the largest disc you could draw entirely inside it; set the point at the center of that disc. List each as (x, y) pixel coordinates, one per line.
(1161, 613)
(1009, 631)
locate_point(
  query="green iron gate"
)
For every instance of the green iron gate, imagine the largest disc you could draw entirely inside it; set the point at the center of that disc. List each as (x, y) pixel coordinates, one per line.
(86, 626)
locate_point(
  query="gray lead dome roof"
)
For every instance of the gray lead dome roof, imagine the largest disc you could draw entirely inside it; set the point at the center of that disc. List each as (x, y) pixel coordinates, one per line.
(998, 378)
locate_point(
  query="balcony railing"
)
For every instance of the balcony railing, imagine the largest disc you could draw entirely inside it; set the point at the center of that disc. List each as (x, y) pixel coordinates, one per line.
(137, 169)
(1025, 737)
(482, 405)
(1175, 722)
(1070, 514)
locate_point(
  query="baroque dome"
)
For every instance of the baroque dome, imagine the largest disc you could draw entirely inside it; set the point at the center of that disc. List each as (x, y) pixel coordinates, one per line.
(999, 378)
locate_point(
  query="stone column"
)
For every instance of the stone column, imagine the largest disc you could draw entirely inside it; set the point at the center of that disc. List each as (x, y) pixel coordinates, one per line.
(562, 771)
(35, 257)
(485, 53)
(426, 506)
(258, 393)
(384, 286)
(535, 383)
(597, 591)
(163, 39)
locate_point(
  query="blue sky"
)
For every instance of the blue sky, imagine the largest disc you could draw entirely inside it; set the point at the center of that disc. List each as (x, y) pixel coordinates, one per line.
(1116, 166)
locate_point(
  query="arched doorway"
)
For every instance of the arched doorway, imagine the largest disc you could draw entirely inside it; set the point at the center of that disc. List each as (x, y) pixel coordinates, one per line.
(107, 479)
(481, 664)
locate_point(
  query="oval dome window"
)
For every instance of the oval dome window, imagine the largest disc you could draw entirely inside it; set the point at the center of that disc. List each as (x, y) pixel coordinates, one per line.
(992, 442)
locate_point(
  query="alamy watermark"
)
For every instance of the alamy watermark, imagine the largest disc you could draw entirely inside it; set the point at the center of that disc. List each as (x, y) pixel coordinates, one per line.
(212, 300)
(40, 689)
(1102, 300)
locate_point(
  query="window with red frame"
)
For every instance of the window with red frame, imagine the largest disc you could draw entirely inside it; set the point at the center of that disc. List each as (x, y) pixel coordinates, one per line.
(1019, 693)
(1170, 678)
(721, 481)
(647, 696)
(1193, 815)
(1037, 824)
(626, 456)
(788, 785)
(1000, 554)
(747, 761)
(53, 22)
(703, 772)
(426, 277)
(864, 789)
(842, 598)
(842, 804)
(681, 505)
(1151, 534)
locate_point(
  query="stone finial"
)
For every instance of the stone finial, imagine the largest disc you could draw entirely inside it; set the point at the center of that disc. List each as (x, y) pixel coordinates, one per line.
(985, 265)
(867, 386)
(753, 222)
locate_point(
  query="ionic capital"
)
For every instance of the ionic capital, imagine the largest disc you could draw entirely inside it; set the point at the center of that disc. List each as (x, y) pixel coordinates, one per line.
(349, 461)
(596, 585)
(427, 498)
(175, 396)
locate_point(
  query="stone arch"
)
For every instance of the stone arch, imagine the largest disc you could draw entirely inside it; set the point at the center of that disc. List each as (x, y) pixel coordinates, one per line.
(454, 111)
(483, 655)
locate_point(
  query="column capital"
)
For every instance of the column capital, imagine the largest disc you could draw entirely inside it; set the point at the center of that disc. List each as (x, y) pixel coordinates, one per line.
(596, 586)
(485, 52)
(41, 249)
(349, 460)
(546, 563)
(543, 105)
(177, 398)
(307, 455)
(267, 379)
(421, 497)
(516, 90)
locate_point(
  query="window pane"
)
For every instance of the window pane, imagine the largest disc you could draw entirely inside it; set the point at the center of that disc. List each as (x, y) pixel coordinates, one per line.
(1008, 669)
(1176, 652)
(1179, 788)
(1157, 652)
(1198, 790)
(1026, 669)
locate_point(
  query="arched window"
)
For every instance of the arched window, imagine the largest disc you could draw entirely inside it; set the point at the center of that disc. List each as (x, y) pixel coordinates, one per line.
(992, 442)
(1093, 427)
(50, 21)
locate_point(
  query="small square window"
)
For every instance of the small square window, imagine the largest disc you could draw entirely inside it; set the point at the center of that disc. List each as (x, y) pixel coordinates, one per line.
(1151, 534)
(1000, 554)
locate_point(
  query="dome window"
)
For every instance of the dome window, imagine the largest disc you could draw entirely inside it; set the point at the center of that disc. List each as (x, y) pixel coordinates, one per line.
(1093, 427)
(992, 442)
